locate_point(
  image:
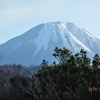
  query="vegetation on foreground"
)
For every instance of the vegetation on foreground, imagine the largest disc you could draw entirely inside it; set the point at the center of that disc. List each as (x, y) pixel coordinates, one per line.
(75, 77)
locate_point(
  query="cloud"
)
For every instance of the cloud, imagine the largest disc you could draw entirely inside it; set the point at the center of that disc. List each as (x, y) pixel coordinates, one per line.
(15, 12)
(12, 11)
(2, 2)
(14, 15)
(18, 11)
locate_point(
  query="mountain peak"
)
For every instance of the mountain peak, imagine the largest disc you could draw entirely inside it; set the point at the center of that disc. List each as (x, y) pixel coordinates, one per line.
(61, 23)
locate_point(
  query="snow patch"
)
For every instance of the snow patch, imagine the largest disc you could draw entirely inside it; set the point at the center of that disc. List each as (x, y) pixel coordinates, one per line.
(55, 37)
(44, 37)
(17, 46)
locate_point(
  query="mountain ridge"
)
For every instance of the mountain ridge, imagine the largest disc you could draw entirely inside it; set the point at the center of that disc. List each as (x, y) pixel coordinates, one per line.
(39, 42)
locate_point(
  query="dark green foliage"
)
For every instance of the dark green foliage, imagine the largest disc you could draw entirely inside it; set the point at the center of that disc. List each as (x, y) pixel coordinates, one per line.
(70, 79)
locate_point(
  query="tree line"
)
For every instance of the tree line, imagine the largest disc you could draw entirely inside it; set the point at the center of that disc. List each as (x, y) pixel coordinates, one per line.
(73, 77)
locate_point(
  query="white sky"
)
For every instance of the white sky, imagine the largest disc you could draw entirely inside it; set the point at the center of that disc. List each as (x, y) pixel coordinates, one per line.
(18, 16)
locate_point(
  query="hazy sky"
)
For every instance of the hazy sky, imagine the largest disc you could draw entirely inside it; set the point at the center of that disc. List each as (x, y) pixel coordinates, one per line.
(18, 16)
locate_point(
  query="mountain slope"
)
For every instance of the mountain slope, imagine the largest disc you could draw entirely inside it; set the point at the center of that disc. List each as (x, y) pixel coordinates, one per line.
(39, 42)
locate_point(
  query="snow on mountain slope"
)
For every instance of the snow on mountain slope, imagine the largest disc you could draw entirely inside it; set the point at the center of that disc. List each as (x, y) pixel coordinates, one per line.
(39, 42)
(98, 37)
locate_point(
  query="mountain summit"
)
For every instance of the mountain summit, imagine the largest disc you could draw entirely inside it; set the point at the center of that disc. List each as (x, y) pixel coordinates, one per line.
(39, 42)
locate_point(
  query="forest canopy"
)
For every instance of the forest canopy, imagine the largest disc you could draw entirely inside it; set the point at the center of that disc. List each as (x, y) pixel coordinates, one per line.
(75, 77)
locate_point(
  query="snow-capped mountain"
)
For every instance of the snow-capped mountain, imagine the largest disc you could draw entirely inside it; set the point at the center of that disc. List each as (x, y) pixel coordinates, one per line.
(39, 42)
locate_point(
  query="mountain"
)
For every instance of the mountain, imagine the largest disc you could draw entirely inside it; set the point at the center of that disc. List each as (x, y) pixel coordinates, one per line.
(39, 42)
